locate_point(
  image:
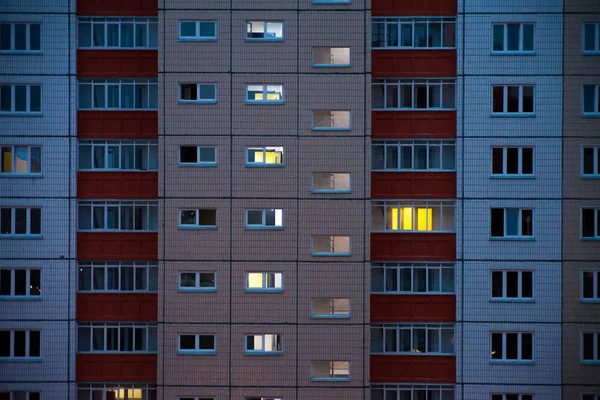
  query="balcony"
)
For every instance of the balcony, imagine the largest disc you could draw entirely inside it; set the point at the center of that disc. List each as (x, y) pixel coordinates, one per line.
(137, 8)
(117, 124)
(413, 124)
(414, 369)
(117, 63)
(117, 306)
(413, 63)
(118, 246)
(413, 308)
(414, 8)
(413, 185)
(413, 246)
(117, 185)
(116, 367)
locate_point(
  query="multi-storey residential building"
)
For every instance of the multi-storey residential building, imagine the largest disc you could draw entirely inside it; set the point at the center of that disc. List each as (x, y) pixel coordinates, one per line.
(312, 199)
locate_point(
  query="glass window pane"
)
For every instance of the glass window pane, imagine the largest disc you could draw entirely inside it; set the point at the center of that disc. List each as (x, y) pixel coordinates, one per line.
(5, 98)
(449, 35)
(34, 37)
(35, 98)
(98, 30)
(391, 280)
(528, 99)
(512, 37)
(528, 37)
(421, 35)
(187, 29)
(498, 99)
(208, 29)
(512, 221)
(513, 99)
(127, 35)
(589, 37)
(36, 160)
(20, 282)
(20, 221)
(153, 35)
(5, 37)
(20, 36)
(141, 35)
(392, 35)
(588, 99)
(20, 98)
(435, 35)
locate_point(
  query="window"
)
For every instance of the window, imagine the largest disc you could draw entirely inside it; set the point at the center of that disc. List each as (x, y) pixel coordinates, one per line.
(415, 278)
(108, 391)
(197, 30)
(19, 345)
(20, 37)
(512, 38)
(590, 165)
(198, 281)
(591, 100)
(409, 33)
(328, 120)
(100, 215)
(412, 339)
(121, 33)
(512, 285)
(197, 344)
(412, 392)
(325, 182)
(20, 395)
(198, 93)
(512, 223)
(591, 38)
(413, 155)
(590, 397)
(331, 56)
(326, 307)
(123, 155)
(330, 245)
(21, 160)
(199, 156)
(264, 281)
(413, 216)
(590, 223)
(264, 219)
(264, 94)
(118, 94)
(264, 344)
(198, 219)
(20, 99)
(114, 276)
(16, 221)
(264, 30)
(330, 370)
(590, 285)
(512, 100)
(512, 346)
(20, 283)
(590, 347)
(116, 337)
(413, 94)
(512, 161)
(512, 396)
(264, 156)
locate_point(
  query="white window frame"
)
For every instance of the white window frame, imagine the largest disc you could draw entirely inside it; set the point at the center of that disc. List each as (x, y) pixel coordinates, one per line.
(396, 329)
(595, 286)
(596, 43)
(416, 206)
(150, 205)
(197, 287)
(197, 224)
(334, 128)
(391, 146)
(264, 93)
(595, 160)
(265, 38)
(504, 25)
(414, 390)
(520, 396)
(595, 348)
(596, 105)
(131, 389)
(92, 326)
(520, 235)
(263, 338)
(333, 253)
(263, 225)
(520, 173)
(264, 287)
(519, 359)
(28, 49)
(119, 22)
(412, 267)
(28, 286)
(411, 21)
(28, 233)
(333, 314)
(14, 160)
(150, 145)
(411, 83)
(198, 99)
(505, 111)
(27, 356)
(349, 190)
(265, 149)
(149, 85)
(151, 268)
(13, 103)
(197, 37)
(197, 349)
(596, 235)
(332, 65)
(199, 163)
(504, 297)
(332, 368)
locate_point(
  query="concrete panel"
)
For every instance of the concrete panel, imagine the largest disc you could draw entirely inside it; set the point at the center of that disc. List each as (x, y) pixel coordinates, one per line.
(574, 247)
(574, 122)
(576, 63)
(574, 309)
(574, 372)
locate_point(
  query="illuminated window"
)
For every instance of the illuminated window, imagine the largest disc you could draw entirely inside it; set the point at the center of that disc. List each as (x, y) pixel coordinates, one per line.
(512, 223)
(511, 396)
(413, 155)
(512, 347)
(198, 219)
(115, 391)
(417, 278)
(590, 285)
(116, 337)
(118, 33)
(513, 38)
(19, 345)
(20, 38)
(197, 281)
(19, 222)
(264, 156)
(512, 285)
(512, 161)
(591, 38)
(413, 94)
(264, 281)
(197, 30)
(197, 344)
(330, 245)
(325, 182)
(411, 339)
(264, 344)
(21, 160)
(330, 370)
(123, 155)
(413, 216)
(264, 30)
(412, 392)
(410, 33)
(325, 307)
(264, 219)
(513, 100)
(117, 276)
(331, 56)
(20, 283)
(330, 120)
(264, 94)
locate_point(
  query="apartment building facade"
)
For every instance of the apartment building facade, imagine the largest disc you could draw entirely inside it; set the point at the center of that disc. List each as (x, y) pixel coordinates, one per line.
(299, 200)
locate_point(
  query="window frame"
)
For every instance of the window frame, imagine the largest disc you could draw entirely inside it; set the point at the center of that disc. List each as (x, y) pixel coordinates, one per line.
(149, 145)
(149, 205)
(29, 160)
(332, 372)
(13, 95)
(119, 22)
(197, 288)
(264, 288)
(595, 347)
(403, 388)
(333, 315)
(427, 82)
(399, 145)
(27, 356)
(265, 38)
(318, 128)
(321, 65)
(411, 328)
(263, 225)
(263, 352)
(505, 173)
(415, 206)
(596, 105)
(144, 388)
(595, 286)
(198, 87)
(28, 234)
(312, 183)
(596, 46)
(197, 37)
(196, 350)
(504, 395)
(264, 93)
(28, 286)
(151, 268)
(198, 152)
(519, 359)
(521, 98)
(197, 225)
(412, 21)
(399, 266)
(595, 222)
(105, 326)
(504, 298)
(264, 164)
(29, 394)
(28, 49)
(521, 51)
(595, 162)
(150, 85)
(330, 253)
(520, 236)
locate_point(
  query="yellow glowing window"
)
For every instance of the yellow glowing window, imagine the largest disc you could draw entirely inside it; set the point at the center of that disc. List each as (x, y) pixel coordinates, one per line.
(6, 159)
(424, 217)
(264, 93)
(269, 155)
(124, 394)
(255, 280)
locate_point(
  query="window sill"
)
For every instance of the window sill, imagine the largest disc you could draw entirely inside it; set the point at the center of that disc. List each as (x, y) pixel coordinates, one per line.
(330, 379)
(12, 175)
(346, 316)
(512, 362)
(264, 39)
(318, 129)
(20, 298)
(496, 300)
(590, 362)
(514, 176)
(20, 114)
(512, 53)
(331, 65)
(512, 115)
(263, 353)
(185, 40)
(590, 115)
(28, 237)
(197, 352)
(21, 52)
(21, 360)
(318, 254)
(196, 290)
(196, 228)
(593, 301)
(265, 165)
(264, 102)
(527, 239)
(317, 191)
(263, 228)
(263, 290)
(590, 53)
(197, 165)
(590, 239)
(197, 101)
(589, 176)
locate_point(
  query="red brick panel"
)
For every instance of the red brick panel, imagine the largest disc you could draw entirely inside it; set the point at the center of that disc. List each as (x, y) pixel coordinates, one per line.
(413, 124)
(414, 369)
(118, 8)
(117, 185)
(117, 306)
(413, 63)
(117, 63)
(117, 246)
(116, 367)
(117, 124)
(413, 246)
(413, 185)
(414, 7)
(413, 308)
